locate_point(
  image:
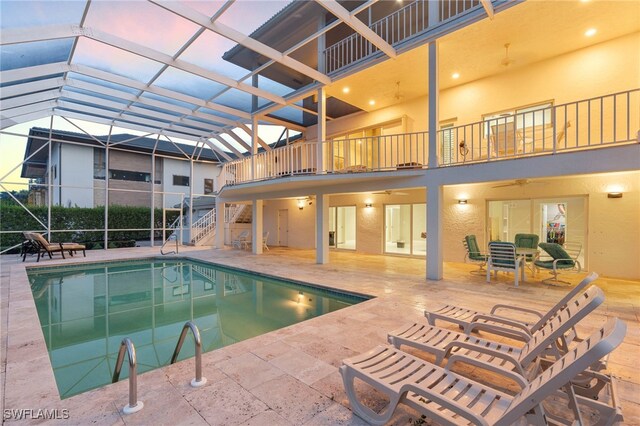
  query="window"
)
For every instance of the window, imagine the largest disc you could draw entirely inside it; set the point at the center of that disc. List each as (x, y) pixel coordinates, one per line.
(526, 116)
(208, 186)
(158, 171)
(129, 175)
(180, 180)
(447, 139)
(99, 165)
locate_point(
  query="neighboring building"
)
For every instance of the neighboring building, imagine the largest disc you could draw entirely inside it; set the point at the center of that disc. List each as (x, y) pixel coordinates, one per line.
(78, 159)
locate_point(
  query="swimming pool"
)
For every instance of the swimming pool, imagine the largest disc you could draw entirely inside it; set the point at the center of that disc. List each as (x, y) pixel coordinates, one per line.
(86, 310)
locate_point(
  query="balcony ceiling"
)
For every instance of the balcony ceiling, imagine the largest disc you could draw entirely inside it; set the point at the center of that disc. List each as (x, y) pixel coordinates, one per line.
(536, 30)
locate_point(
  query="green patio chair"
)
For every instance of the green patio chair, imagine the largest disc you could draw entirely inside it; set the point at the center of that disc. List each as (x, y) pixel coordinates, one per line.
(559, 259)
(527, 241)
(474, 254)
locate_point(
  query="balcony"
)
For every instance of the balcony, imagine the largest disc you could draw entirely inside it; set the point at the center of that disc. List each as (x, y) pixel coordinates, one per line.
(410, 21)
(598, 122)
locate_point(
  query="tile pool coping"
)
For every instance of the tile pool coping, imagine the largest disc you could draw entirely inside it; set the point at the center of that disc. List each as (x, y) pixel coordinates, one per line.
(360, 297)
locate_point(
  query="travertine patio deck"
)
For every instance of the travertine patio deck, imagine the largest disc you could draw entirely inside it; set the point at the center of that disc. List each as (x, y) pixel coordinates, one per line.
(288, 376)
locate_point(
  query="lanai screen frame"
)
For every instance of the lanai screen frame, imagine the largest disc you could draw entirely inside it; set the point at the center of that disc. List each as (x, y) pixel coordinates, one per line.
(107, 146)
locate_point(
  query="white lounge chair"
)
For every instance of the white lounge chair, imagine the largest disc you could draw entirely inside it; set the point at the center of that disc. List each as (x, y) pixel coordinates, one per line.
(241, 240)
(471, 320)
(503, 257)
(449, 398)
(496, 356)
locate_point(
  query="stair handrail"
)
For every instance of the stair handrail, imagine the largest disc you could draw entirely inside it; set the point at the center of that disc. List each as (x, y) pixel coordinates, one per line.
(127, 346)
(199, 380)
(172, 236)
(203, 226)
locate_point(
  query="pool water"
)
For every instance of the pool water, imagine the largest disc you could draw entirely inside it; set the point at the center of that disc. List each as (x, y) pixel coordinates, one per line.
(86, 310)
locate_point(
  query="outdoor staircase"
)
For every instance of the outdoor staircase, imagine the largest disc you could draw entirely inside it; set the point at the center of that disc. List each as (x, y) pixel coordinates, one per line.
(203, 230)
(242, 214)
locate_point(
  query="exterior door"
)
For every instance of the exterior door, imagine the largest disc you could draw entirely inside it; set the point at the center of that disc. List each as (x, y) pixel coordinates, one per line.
(283, 227)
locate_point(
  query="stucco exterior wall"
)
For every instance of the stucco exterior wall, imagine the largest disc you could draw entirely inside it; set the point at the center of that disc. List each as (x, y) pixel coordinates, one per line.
(301, 223)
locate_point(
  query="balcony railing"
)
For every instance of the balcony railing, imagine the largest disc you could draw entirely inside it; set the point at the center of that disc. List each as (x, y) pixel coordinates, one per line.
(585, 124)
(366, 154)
(401, 25)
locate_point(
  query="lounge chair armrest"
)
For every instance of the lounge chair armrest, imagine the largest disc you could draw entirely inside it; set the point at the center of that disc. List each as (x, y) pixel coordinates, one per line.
(447, 403)
(519, 379)
(474, 324)
(482, 350)
(516, 309)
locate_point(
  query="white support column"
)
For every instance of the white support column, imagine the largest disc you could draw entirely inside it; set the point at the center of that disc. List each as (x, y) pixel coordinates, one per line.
(322, 129)
(256, 227)
(322, 44)
(433, 104)
(254, 145)
(219, 238)
(190, 216)
(322, 229)
(434, 232)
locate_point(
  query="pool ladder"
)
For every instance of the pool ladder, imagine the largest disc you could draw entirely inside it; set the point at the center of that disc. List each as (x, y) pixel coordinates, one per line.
(126, 346)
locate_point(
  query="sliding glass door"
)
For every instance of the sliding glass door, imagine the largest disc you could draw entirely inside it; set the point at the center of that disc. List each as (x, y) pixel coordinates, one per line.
(405, 229)
(555, 220)
(342, 227)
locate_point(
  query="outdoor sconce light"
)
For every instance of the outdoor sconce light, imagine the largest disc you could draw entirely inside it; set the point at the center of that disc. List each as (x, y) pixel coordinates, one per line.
(462, 201)
(300, 204)
(367, 205)
(614, 195)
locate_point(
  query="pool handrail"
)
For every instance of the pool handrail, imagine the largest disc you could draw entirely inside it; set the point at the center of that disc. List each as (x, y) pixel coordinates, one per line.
(127, 346)
(199, 380)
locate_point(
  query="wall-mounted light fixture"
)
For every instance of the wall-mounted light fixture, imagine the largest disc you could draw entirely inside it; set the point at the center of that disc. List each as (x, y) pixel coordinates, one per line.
(300, 204)
(367, 205)
(614, 195)
(462, 201)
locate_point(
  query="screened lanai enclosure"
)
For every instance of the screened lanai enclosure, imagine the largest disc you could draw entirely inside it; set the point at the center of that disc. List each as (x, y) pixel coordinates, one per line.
(99, 108)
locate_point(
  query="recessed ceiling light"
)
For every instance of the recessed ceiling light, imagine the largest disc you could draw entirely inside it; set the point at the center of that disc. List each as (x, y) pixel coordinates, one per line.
(346, 90)
(372, 102)
(590, 32)
(455, 75)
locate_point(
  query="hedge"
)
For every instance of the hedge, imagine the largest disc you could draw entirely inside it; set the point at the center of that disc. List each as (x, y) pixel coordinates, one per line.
(15, 218)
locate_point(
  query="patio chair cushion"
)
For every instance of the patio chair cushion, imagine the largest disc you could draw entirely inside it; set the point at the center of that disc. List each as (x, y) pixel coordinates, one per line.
(474, 250)
(526, 240)
(556, 251)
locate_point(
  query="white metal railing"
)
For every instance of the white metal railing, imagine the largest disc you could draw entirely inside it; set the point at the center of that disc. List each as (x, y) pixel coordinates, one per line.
(584, 124)
(401, 25)
(366, 154)
(203, 226)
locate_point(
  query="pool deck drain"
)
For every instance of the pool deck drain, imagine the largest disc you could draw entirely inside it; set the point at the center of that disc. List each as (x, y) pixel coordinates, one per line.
(288, 376)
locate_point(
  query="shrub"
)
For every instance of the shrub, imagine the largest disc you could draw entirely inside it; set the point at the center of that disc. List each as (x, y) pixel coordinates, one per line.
(15, 218)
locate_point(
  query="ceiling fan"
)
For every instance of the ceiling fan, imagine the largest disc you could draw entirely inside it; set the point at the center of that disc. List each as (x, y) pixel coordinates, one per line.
(506, 61)
(518, 182)
(389, 192)
(398, 96)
